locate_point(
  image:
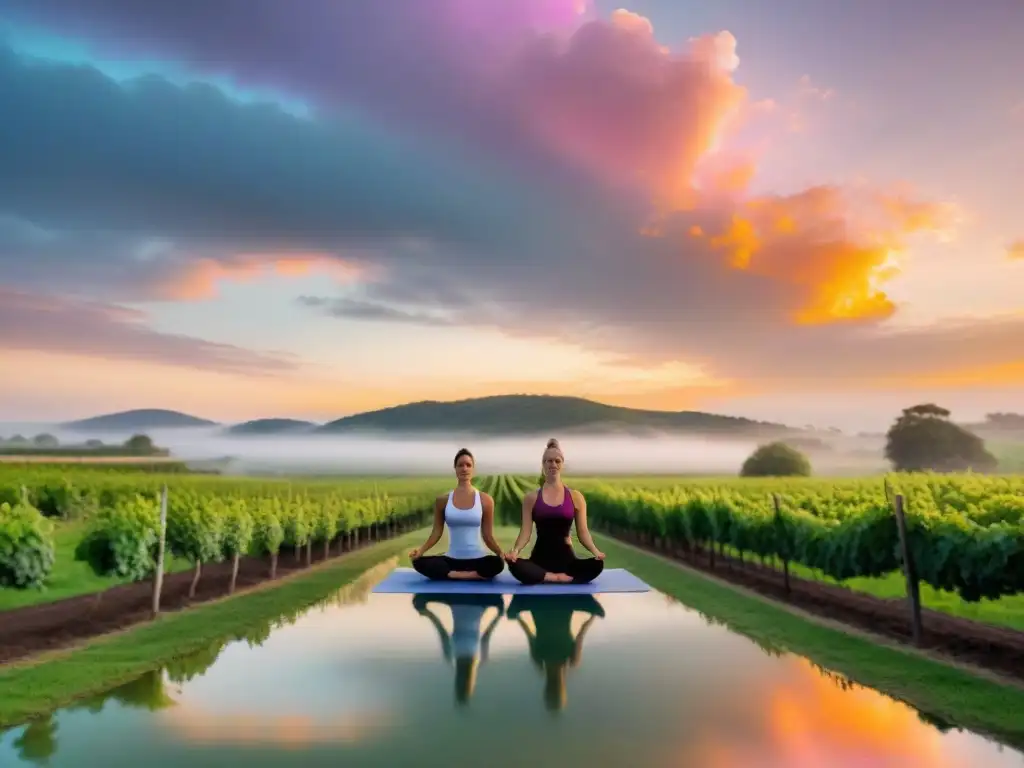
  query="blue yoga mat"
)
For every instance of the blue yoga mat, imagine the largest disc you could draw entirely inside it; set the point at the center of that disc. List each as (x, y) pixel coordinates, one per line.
(405, 581)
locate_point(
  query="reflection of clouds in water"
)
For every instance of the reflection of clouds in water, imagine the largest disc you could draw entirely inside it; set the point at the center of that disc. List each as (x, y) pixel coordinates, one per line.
(804, 719)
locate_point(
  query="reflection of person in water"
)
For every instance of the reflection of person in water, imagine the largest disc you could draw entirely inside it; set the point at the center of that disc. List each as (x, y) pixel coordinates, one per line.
(553, 648)
(466, 647)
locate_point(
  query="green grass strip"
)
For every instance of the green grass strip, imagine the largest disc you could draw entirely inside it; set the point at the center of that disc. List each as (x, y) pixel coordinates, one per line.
(35, 689)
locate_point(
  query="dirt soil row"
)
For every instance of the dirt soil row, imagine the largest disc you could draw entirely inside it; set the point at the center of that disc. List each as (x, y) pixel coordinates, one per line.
(59, 624)
(999, 649)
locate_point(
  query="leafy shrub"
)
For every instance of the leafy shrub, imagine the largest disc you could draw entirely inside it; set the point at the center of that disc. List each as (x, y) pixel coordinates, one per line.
(64, 501)
(268, 532)
(195, 527)
(121, 539)
(238, 529)
(26, 547)
(776, 460)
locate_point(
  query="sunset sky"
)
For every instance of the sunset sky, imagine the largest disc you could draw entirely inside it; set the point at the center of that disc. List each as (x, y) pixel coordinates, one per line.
(807, 212)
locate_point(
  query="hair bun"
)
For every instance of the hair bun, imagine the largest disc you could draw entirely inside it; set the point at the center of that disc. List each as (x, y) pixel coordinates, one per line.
(553, 443)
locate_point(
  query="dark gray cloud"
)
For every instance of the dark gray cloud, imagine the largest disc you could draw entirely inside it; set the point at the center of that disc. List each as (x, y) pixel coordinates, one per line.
(356, 309)
(53, 324)
(78, 151)
(431, 64)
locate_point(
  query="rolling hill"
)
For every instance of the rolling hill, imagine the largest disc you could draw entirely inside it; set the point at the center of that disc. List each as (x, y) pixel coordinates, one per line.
(138, 420)
(498, 415)
(541, 414)
(271, 427)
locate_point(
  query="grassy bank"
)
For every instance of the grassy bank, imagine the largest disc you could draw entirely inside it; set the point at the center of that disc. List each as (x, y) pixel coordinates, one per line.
(943, 691)
(33, 689)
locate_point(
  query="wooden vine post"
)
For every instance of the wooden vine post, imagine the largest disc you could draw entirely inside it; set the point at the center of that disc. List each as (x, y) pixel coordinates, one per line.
(909, 571)
(158, 574)
(777, 503)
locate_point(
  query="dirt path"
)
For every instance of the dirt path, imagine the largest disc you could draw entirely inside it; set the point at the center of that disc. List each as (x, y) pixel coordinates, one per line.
(999, 649)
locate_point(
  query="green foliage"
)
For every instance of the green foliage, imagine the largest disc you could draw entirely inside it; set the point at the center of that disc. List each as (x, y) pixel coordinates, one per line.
(26, 547)
(238, 528)
(776, 460)
(195, 527)
(186, 668)
(924, 439)
(966, 534)
(209, 517)
(296, 520)
(139, 444)
(121, 539)
(268, 532)
(64, 501)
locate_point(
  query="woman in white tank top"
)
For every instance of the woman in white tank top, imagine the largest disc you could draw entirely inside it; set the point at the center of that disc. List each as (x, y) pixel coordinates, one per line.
(469, 516)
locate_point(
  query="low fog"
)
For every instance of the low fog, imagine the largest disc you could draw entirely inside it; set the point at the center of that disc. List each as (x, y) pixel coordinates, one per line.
(432, 455)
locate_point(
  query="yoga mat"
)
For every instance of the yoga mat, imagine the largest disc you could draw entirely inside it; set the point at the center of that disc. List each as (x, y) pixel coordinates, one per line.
(405, 581)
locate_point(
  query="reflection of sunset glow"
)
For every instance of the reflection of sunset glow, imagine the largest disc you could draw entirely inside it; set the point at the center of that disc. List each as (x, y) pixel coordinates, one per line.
(289, 731)
(808, 721)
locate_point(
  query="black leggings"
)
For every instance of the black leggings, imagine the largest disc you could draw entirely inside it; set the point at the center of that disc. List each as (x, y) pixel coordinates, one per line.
(437, 567)
(582, 570)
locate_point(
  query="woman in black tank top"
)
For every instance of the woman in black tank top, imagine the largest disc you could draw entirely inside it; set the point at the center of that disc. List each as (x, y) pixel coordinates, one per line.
(553, 560)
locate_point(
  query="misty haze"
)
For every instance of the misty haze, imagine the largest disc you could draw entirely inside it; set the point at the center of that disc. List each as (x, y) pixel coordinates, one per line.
(395, 454)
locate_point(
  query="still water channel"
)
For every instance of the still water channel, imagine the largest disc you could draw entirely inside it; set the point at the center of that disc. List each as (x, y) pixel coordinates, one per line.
(389, 680)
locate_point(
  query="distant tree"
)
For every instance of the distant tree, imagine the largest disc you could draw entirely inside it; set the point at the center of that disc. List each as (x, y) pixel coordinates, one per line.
(93, 443)
(18, 440)
(139, 444)
(776, 460)
(1005, 420)
(45, 440)
(924, 439)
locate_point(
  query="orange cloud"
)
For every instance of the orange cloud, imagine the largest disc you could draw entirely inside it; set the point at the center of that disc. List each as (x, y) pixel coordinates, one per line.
(615, 100)
(1015, 250)
(837, 249)
(199, 280)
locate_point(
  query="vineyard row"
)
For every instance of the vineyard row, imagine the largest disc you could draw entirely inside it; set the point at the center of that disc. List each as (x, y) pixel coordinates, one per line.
(201, 522)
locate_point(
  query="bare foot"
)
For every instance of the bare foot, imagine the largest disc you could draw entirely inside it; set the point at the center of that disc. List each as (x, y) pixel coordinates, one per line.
(558, 578)
(464, 575)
